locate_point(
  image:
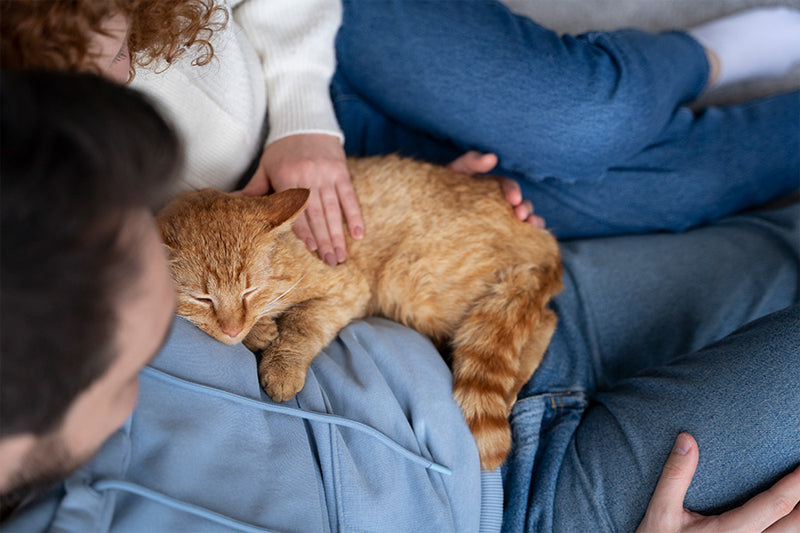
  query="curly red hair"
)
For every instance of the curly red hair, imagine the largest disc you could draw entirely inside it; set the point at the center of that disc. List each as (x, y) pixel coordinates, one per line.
(36, 34)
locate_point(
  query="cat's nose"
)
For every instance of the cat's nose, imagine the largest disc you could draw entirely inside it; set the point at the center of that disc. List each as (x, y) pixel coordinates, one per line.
(231, 330)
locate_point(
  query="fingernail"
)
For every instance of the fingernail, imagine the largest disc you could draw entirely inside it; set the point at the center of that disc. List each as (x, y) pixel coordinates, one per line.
(330, 259)
(312, 246)
(340, 254)
(681, 445)
(358, 232)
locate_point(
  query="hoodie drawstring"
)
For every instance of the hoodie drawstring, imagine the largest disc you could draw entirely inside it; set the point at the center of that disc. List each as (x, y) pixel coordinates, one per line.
(298, 413)
(125, 486)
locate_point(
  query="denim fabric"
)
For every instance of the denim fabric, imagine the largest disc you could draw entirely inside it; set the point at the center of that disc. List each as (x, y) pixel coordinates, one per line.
(594, 425)
(591, 429)
(373, 442)
(593, 127)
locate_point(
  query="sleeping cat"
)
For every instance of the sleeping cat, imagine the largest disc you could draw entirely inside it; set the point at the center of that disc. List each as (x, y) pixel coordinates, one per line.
(442, 253)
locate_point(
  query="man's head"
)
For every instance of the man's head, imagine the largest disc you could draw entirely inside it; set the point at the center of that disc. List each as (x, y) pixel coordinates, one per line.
(86, 298)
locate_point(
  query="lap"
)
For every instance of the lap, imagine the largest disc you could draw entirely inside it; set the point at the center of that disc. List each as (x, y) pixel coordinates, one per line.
(738, 397)
(594, 424)
(636, 302)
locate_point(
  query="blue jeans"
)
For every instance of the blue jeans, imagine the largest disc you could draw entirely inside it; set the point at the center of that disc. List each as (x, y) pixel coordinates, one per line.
(593, 127)
(651, 343)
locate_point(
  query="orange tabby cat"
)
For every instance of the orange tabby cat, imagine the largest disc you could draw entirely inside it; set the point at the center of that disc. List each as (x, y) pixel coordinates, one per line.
(443, 253)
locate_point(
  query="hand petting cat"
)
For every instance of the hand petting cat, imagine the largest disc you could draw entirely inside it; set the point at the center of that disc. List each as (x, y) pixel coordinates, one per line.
(316, 162)
(474, 162)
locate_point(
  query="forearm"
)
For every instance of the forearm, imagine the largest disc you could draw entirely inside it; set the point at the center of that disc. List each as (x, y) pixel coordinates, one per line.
(295, 44)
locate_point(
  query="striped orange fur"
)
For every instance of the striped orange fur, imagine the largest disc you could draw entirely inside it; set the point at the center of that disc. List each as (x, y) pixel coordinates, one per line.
(442, 253)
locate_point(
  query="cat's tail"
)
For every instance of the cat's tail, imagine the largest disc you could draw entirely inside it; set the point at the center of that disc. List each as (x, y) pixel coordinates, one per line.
(496, 349)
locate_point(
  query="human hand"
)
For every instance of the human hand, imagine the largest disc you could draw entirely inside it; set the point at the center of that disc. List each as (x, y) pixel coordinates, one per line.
(474, 162)
(774, 510)
(316, 162)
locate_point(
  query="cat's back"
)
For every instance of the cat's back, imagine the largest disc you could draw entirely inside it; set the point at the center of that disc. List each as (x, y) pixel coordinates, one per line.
(393, 183)
(437, 241)
(432, 206)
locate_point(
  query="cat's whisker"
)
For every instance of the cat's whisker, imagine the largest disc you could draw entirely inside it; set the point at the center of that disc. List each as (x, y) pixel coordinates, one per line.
(272, 305)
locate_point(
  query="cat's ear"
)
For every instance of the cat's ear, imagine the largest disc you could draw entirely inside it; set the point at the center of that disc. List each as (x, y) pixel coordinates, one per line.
(281, 208)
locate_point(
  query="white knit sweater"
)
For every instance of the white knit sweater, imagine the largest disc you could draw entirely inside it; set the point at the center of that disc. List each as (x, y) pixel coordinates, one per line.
(275, 53)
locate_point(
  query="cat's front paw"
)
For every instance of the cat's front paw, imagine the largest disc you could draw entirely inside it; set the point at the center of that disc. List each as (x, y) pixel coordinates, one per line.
(261, 336)
(279, 380)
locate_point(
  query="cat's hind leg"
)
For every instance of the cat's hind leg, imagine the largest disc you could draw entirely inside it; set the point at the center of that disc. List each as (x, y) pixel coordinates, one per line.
(533, 352)
(498, 344)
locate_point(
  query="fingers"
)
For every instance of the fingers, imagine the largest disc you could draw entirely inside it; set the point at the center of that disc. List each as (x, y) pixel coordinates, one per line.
(772, 507)
(677, 474)
(316, 219)
(258, 184)
(316, 162)
(535, 221)
(330, 234)
(524, 212)
(775, 510)
(352, 212)
(512, 193)
(474, 162)
(337, 197)
(665, 511)
(788, 524)
(523, 209)
(303, 232)
(320, 226)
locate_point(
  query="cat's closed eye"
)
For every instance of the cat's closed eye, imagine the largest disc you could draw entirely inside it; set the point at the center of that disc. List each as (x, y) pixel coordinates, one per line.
(205, 299)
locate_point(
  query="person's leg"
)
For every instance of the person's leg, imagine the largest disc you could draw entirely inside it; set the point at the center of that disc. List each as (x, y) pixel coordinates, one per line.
(369, 132)
(639, 301)
(704, 166)
(739, 398)
(636, 303)
(590, 126)
(492, 81)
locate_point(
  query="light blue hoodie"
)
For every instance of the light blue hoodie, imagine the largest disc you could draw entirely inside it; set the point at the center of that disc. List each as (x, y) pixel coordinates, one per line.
(374, 442)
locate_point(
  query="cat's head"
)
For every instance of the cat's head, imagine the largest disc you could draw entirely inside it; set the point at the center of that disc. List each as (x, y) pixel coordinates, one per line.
(220, 248)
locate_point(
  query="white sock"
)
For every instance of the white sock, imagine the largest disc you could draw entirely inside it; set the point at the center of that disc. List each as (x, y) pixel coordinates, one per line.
(756, 43)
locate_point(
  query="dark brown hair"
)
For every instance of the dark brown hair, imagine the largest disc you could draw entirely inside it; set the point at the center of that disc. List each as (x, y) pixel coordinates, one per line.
(73, 169)
(55, 35)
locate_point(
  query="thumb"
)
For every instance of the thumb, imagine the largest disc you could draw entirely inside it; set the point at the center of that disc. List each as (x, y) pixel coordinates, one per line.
(474, 162)
(483, 163)
(666, 506)
(258, 184)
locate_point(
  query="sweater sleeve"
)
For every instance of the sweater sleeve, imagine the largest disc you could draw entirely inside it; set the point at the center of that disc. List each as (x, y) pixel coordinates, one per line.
(295, 43)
